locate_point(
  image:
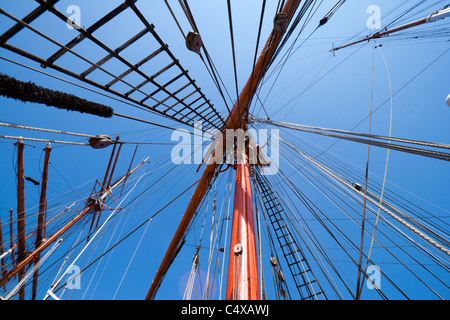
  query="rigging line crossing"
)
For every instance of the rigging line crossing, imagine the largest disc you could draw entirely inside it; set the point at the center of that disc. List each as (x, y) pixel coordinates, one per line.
(388, 99)
(366, 178)
(213, 72)
(298, 192)
(385, 173)
(349, 169)
(396, 217)
(354, 221)
(91, 240)
(218, 238)
(405, 252)
(291, 251)
(84, 239)
(127, 235)
(290, 51)
(418, 151)
(403, 140)
(376, 199)
(287, 54)
(311, 235)
(273, 252)
(283, 41)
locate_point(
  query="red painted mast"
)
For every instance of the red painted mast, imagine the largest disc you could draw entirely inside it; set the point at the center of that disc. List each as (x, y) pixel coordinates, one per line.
(243, 283)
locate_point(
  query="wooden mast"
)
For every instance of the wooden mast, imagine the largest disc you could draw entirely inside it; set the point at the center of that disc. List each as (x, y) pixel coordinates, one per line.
(20, 212)
(41, 216)
(235, 120)
(243, 279)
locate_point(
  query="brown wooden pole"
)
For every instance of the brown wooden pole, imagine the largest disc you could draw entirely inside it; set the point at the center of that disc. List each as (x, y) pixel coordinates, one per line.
(20, 212)
(2, 249)
(384, 33)
(41, 216)
(110, 177)
(11, 238)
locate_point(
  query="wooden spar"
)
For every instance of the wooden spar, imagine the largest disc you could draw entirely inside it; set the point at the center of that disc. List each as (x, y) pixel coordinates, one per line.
(233, 121)
(431, 18)
(129, 168)
(114, 166)
(382, 34)
(243, 280)
(103, 186)
(11, 239)
(20, 212)
(110, 176)
(31, 256)
(2, 249)
(41, 217)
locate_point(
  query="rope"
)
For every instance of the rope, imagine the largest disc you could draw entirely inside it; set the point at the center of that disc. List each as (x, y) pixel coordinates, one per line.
(175, 18)
(390, 138)
(10, 125)
(384, 177)
(332, 11)
(358, 292)
(418, 151)
(43, 140)
(390, 213)
(395, 256)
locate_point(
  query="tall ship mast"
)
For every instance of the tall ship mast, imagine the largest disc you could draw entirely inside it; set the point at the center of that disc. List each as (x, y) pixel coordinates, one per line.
(254, 150)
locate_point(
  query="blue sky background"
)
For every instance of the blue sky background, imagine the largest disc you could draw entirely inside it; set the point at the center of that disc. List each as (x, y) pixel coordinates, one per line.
(339, 98)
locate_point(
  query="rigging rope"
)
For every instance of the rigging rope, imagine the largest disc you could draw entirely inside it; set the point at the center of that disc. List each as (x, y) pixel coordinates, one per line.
(17, 126)
(386, 248)
(385, 173)
(418, 151)
(44, 140)
(358, 293)
(390, 213)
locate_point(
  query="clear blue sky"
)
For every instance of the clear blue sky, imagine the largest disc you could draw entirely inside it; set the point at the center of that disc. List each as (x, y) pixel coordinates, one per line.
(339, 99)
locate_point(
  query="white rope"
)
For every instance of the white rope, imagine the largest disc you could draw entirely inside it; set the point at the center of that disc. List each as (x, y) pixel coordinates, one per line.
(44, 140)
(18, 126)
(131, 260)
(385, 170)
